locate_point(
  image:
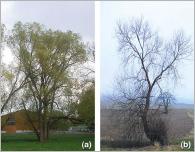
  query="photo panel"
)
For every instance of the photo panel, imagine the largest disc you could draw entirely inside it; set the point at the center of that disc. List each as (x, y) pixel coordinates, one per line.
(147, 75)
(47, 75)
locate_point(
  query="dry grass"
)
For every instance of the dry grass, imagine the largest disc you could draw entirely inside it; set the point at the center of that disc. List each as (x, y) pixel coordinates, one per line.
(180, 123)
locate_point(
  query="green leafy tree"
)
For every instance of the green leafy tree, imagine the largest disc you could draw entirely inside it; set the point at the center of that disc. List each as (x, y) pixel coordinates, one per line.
(86, 107)
(48, 59)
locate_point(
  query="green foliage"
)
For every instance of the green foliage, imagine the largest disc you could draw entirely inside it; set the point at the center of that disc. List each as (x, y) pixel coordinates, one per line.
(7, 75)
(46, 57)
(86, 107)
(46, 53)
(3, 121)
(61, 125)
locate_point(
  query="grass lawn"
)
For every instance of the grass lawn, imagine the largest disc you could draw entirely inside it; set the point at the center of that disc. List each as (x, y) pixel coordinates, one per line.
(56, 142)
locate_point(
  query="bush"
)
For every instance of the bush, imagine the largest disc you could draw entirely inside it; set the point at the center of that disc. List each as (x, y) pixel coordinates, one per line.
(157, 130)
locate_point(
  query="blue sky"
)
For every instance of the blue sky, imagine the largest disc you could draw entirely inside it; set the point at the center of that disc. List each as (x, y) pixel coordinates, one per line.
(164, 17)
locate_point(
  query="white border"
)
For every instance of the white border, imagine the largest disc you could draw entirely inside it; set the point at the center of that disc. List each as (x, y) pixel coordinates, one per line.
(97, 75)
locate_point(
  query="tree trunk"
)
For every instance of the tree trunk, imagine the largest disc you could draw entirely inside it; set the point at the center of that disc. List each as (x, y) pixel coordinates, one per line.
(45, 122)
(41, 139)
(144, 116)
(47, 131)
(151, 132)
(145, 125)
(166, 109)
(41, 129)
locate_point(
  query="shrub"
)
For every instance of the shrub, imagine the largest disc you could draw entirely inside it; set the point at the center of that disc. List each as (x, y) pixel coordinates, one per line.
(157, 130)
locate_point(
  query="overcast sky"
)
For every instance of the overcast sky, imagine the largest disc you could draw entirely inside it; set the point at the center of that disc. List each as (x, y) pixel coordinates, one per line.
(60, 15)
(164, 17)
(63, 15)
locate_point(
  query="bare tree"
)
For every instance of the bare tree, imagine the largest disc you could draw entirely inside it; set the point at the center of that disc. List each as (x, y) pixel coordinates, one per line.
(166, 99)
(148, 61)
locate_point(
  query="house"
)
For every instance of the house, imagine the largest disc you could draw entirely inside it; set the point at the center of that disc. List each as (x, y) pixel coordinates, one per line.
(17, 122)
